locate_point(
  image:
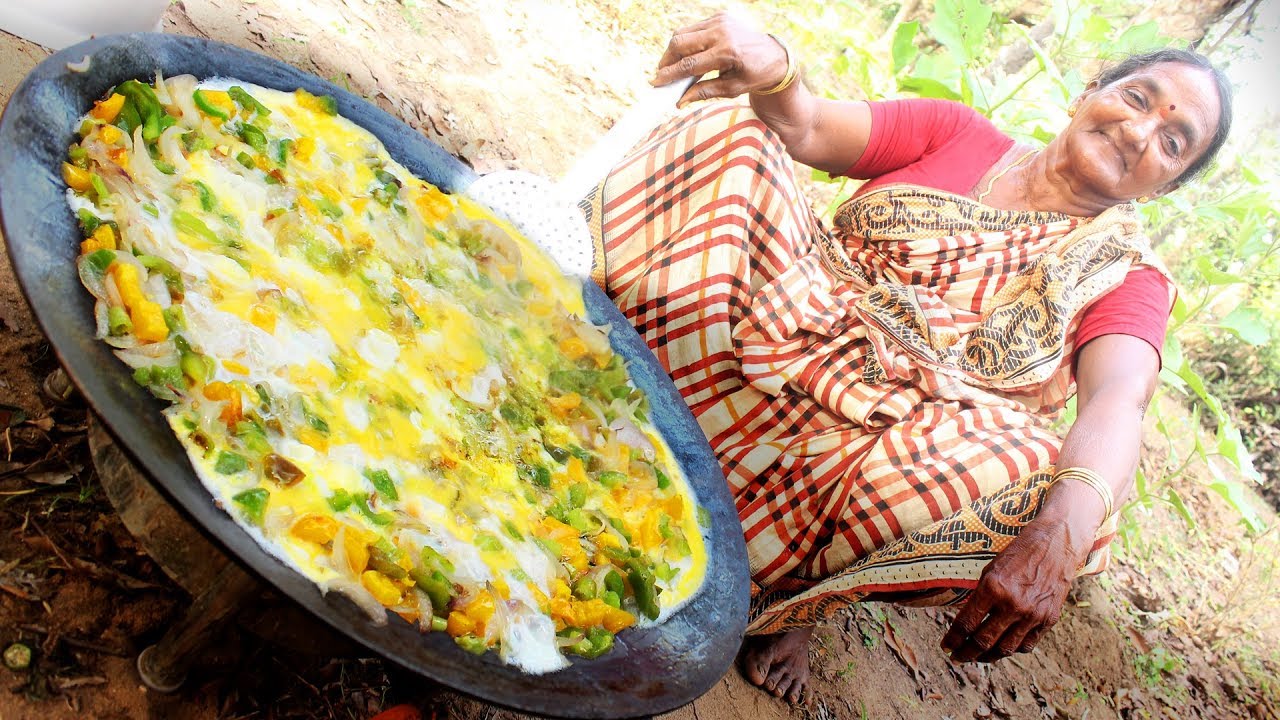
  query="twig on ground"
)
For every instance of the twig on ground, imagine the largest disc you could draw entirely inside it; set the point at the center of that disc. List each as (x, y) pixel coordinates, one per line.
(94, 570)
(77, 642)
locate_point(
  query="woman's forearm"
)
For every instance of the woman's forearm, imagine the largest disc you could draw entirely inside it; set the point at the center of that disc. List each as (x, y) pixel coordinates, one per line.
(1116, 376)
(1105, 438)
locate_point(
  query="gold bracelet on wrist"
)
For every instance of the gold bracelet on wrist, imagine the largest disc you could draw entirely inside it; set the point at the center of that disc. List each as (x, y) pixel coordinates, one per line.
(793, 71)
(1093, 480)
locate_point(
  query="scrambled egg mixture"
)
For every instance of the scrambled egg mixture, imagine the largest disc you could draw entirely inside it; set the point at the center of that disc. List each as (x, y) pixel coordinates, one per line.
(390, 389)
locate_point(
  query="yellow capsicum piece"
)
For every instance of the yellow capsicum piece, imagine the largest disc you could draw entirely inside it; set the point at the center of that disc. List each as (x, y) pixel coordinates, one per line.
(147, 317)
(104, 238)
(77, 179)
(318, 529)
(107, 110)
(381, 587)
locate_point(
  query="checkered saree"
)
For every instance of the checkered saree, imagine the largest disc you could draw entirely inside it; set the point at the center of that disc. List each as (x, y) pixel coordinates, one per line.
(878, 394)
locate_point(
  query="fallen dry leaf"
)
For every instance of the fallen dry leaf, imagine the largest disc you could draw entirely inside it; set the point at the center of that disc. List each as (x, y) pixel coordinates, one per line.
(54, 477)
(907, 656)
(68, 683)
(1139, 642)
(11, 415)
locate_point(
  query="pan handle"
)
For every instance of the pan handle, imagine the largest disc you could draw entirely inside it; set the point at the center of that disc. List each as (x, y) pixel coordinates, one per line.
(651, 107)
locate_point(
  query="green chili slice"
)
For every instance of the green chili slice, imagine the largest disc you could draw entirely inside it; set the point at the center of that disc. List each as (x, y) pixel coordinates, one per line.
(340, 500)
(253, 137)
(247, 101)
(118, 322)
(381, 481)
(207, 107)
(230, 463)
(252, 502)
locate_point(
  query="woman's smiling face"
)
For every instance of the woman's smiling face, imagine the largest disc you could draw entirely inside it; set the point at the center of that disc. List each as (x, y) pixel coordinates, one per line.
(1135, 136)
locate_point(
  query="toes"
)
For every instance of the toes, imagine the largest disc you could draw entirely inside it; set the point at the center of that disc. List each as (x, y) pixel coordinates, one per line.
(797, 691)
(758, 663)
(776, 677)
(784, 687)
(798, 687)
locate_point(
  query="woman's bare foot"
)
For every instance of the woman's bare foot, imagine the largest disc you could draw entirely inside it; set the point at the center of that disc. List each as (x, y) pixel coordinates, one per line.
(779, 663)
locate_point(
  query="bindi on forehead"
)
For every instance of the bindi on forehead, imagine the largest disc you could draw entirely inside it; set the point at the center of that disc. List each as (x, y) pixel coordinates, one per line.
(1162, 81)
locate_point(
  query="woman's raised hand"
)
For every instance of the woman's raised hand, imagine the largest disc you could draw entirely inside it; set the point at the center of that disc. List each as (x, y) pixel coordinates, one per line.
(747, 60)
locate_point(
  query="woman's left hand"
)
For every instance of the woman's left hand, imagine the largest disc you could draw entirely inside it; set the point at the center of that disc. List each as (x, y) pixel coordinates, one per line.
(1019, 595)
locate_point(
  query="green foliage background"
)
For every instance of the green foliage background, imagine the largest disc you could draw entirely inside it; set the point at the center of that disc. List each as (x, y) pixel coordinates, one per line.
(1218, 235)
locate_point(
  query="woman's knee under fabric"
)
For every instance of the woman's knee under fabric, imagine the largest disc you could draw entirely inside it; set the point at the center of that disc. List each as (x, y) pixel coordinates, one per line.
(703, 214)
(708, 205)
(813, 516)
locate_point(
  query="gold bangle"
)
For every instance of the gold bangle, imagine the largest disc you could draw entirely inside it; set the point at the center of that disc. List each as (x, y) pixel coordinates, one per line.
(793, 71)
(1093, 480)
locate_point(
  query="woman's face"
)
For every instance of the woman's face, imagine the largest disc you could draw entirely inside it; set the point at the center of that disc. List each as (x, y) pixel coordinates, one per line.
(1135, 136)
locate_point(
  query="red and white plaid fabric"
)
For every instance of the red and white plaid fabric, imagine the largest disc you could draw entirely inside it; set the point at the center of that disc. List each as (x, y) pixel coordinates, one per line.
(876, 395)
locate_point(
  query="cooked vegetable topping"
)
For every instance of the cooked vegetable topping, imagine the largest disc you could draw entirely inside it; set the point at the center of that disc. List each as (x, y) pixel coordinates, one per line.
(396, 392)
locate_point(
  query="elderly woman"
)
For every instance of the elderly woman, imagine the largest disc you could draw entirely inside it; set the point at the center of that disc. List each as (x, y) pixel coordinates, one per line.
(879, 392)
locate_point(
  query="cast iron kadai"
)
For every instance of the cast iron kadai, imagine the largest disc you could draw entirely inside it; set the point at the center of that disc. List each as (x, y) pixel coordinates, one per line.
(651, 670)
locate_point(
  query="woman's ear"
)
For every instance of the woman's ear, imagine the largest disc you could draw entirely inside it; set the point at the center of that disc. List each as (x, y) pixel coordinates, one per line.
(1089, 89)
(1168, 188)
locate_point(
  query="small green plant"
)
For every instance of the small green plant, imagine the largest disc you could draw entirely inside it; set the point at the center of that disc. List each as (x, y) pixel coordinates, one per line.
(870, 632)
(1153, 666)
(1080, 694)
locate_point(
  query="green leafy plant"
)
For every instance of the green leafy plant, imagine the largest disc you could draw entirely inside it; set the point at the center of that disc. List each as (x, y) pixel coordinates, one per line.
(1153, 666)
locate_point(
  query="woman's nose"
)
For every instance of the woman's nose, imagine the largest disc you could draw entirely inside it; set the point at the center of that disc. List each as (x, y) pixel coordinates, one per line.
(1136, 131)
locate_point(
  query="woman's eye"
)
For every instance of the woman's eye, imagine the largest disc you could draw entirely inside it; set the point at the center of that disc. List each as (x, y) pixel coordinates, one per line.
(1174, 148)
(1135, 96)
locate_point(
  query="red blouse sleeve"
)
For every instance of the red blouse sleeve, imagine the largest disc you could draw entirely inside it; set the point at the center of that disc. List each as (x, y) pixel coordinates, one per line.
(935, 143)
(1139, 307)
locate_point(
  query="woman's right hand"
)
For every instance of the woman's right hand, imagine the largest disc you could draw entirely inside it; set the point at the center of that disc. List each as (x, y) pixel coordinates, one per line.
(747, 60)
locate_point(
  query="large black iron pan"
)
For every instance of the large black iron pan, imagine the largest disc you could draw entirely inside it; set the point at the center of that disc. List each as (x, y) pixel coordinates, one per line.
(650, 671)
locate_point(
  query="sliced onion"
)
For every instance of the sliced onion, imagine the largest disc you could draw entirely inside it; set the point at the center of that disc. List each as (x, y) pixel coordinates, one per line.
(363, 599)
(626, 432)
(341, 564)
(171, 148)
(425, 609)
(149, 354)
(180, 89)
(112, 292)
(595, 338)
(100, 320)
(162, 90)
(157, 290)
(93, 281)
(564, 641)
(143, 169)
(122, 342)
(593, 407)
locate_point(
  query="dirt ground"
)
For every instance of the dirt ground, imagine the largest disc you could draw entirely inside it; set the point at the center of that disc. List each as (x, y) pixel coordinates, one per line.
(1184, 626)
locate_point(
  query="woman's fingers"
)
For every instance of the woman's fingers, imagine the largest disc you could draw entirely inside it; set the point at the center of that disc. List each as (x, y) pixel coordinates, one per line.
(745, 59)
(686, 43)
(967, 621)
(720, 87)
(1011, 642)
(1033, 638)
(693, 65)
(985, 638)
